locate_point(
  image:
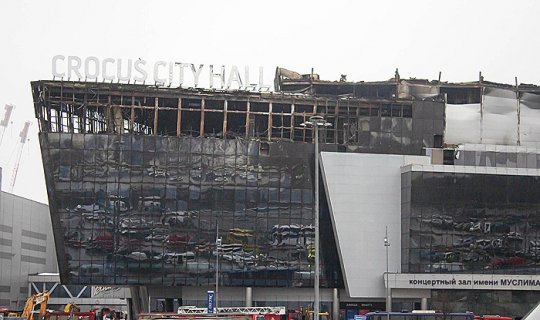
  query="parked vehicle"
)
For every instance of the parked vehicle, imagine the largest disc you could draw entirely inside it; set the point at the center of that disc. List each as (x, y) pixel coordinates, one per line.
(419, 315)
(492, 317)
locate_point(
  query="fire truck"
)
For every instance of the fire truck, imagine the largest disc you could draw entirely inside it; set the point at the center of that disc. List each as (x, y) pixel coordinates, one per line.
(228, 313)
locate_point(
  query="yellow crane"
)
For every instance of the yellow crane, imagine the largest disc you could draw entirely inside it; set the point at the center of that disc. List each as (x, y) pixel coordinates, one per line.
(71, 307)
(40, 299)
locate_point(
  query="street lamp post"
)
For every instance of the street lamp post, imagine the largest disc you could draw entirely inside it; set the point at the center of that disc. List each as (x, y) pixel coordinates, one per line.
(388, 301)
(218, 247)
(316, 122)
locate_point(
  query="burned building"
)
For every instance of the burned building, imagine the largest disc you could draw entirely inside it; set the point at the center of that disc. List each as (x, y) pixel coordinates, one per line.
(143, 180)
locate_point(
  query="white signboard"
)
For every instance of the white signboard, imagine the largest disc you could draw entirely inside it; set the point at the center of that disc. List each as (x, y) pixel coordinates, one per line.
(464, 281)
(159, 73)
(110, 292)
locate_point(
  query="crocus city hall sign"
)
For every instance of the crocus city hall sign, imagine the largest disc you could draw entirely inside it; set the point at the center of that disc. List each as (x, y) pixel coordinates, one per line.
(159, 73)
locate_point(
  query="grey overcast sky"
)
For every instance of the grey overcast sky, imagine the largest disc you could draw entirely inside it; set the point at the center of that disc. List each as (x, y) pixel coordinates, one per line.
(367, 40)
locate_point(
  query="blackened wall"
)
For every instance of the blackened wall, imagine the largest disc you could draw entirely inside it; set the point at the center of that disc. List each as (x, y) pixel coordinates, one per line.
(398, 128)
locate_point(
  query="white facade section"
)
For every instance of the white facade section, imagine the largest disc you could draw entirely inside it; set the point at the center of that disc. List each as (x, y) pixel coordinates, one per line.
(463, 123)
(503, 117)
(464, 281)
(364, 197)
(500, 117)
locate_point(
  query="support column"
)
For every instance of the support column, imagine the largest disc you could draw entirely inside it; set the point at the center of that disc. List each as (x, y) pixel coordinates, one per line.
(135, 305)
(144, 299)
(130, 313)
(249, 297)
(335, 304)
(423, 304)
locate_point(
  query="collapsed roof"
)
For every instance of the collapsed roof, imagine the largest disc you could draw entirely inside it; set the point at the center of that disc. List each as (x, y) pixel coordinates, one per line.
(395, 87)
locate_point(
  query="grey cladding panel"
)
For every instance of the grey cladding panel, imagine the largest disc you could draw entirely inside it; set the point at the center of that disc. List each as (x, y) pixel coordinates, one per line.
(35, 235)
(31, 259)
(33, 247)
(4, 228)
(6, 255)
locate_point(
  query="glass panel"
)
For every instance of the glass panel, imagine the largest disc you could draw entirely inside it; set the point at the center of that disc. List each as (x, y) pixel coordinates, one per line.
(461, 230)
(147, 210)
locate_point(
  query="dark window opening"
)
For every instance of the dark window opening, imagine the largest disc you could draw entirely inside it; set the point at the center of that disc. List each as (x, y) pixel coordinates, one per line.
(281, 108)
(462, 95)
(341, 128)
(168, 103)
(301, 133)
(328, 135)
(437, 141)
(103, 98)
(213, 124)
(191, 104)
(407, 111)
(116, 100)
(448, 156)
(386, 110)
(148, 101)
(396, 110)
(375, 91)
(191, 123)
(167, 120)
(214, 104)
(258, 107)
(281, 126)
(126, 119)
(237, 105)
(144, 121)
(94, 120)
(374, 111)
(299, 108)
(236, 125)
(350, 131)
(260, 126)
(362, 111)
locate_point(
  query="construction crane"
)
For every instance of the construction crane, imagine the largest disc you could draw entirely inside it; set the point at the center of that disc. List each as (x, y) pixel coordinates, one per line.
(5, 122)
(40, 299)
(24, 136)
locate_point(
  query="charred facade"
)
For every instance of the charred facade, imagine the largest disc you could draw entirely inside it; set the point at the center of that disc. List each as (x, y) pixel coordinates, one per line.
(142, 180)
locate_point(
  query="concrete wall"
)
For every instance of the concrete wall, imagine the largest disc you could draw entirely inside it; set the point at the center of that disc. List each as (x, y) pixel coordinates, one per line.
(364, 196)
(26, 246)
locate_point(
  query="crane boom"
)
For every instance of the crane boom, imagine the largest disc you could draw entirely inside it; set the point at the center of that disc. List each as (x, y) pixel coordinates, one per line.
(4, 122)
(24, 136)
